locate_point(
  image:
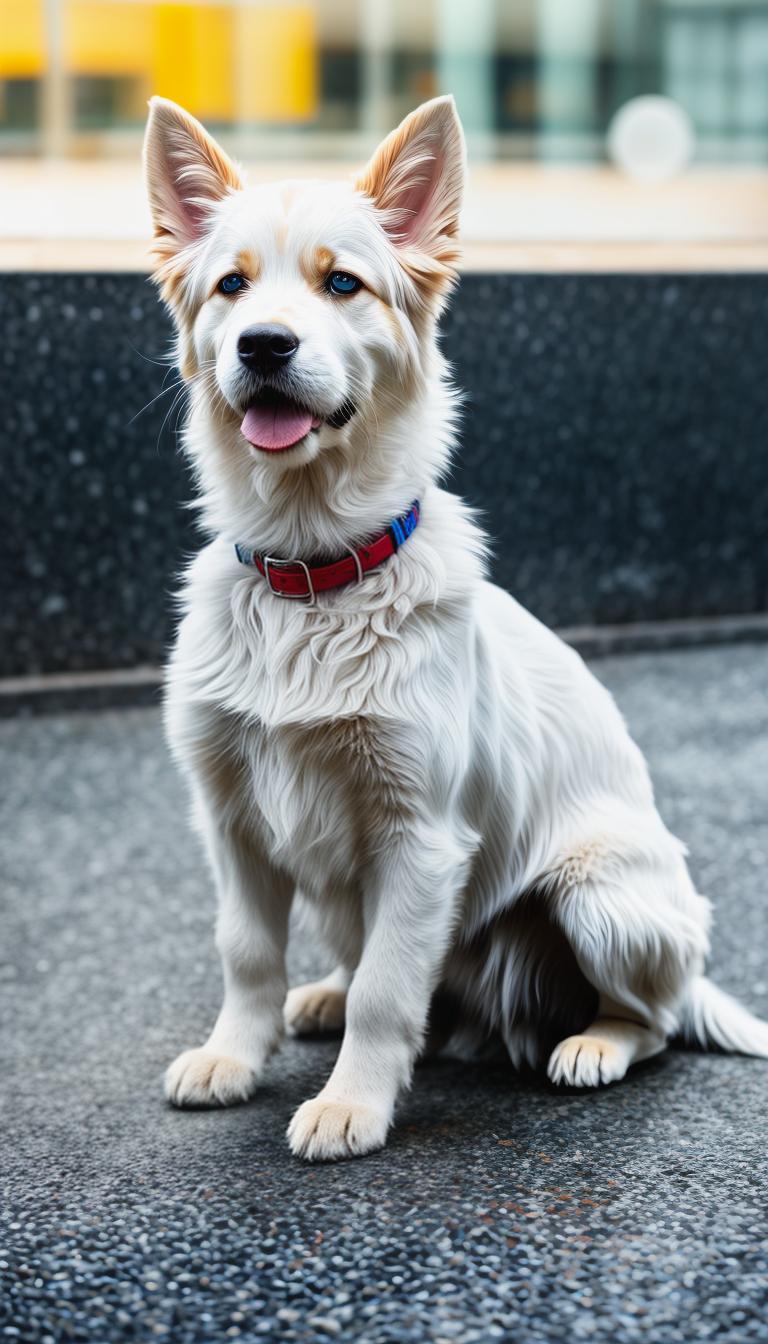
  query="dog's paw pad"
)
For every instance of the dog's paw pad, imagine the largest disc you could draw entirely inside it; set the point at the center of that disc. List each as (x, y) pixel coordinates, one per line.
(586, 1061)
(203, 1078)
(314, 1008)
(323, 1131)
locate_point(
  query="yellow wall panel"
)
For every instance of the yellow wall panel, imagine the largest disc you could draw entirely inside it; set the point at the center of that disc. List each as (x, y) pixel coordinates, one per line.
(107, 39)
(277, 63)
(192, 59)
(22, 39)
(256, 62)
(182, 51)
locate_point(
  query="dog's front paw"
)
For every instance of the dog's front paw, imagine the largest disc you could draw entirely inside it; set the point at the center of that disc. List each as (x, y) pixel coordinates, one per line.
(586, 1061)
(314, 1008)
(203, 1078)
(323, 1130)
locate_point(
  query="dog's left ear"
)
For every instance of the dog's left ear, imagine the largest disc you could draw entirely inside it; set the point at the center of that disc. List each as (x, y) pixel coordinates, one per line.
(186, 173)
(416, 178)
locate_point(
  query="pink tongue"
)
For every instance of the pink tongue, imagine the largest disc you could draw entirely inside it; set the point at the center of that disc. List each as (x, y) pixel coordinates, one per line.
(275, 427)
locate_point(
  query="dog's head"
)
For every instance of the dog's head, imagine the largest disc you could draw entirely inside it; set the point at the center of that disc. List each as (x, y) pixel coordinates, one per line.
(305, 308)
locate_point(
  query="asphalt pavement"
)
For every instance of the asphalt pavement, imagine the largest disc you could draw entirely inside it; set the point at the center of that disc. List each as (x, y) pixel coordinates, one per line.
(502, 1209)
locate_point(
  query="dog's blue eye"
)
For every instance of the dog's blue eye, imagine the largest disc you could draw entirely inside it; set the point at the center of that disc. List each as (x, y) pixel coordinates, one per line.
(339, 282)
(231, 283)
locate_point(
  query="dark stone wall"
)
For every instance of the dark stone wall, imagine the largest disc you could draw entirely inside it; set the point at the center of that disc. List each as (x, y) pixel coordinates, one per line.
(616, 432)
(614, 435)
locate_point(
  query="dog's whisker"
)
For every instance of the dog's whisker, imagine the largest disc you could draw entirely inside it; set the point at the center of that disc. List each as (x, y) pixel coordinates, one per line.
(168, 362)
(176, 404)
(179, 382)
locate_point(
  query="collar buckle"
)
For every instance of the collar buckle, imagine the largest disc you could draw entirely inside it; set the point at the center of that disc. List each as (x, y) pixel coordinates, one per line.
(269, 562)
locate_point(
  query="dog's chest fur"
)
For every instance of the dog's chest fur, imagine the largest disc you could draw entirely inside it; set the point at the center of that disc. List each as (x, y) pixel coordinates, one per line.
(309, 734)
(329, 797)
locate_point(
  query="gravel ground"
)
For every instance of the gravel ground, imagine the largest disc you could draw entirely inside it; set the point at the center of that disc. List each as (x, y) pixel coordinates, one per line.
(502, 1208)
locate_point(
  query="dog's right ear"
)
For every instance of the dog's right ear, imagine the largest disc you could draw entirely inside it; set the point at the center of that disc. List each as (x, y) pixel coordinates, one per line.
(186, 174)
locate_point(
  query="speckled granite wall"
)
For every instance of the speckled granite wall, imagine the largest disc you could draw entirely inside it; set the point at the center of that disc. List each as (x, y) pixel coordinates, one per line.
(615, 433)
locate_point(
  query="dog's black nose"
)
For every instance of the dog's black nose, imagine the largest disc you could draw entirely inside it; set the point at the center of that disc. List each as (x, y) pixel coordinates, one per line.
(266, 347)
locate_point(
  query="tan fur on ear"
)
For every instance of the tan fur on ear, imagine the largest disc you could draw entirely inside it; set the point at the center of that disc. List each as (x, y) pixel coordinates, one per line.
(415, 179)
(186, 173)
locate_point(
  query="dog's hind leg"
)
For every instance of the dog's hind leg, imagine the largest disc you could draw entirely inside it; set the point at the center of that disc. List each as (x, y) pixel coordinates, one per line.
(638, 930)
(604, 1052)
(319, 1006)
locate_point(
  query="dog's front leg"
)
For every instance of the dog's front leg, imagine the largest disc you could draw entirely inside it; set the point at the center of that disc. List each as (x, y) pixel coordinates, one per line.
(251, 935)
(410, 905)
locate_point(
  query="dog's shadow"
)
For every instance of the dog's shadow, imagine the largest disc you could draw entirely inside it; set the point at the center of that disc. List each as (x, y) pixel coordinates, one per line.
(465, 1102)
(453, 1105)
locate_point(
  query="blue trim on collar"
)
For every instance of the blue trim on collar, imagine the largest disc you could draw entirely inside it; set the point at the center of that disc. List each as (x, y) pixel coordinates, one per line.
(401, 528)
(399, 531)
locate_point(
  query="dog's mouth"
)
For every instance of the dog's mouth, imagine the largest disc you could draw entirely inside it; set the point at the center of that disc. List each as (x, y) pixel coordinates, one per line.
(275, 422)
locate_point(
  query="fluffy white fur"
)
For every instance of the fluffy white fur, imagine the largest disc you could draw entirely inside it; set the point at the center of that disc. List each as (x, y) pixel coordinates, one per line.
(437, 775)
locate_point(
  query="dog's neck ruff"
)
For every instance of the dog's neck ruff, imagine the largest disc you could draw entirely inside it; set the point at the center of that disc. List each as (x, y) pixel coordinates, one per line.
(299, 580)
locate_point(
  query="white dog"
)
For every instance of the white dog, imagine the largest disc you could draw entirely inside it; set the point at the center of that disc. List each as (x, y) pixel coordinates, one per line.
(362, 716)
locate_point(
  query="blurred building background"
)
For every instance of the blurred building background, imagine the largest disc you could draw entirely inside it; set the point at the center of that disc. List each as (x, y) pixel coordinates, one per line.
(534, 79)
(609, 329)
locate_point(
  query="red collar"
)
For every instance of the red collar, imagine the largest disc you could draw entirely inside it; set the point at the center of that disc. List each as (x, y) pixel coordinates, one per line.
(296, 579)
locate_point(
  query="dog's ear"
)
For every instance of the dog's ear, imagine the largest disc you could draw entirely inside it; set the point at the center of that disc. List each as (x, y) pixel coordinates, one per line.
(416, 179)
(186, 173)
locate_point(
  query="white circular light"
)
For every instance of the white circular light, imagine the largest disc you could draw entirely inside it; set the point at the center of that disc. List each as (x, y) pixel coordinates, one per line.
(651, 138)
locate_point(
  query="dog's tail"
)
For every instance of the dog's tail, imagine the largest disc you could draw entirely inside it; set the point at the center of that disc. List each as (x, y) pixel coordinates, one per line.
(711, 1018)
